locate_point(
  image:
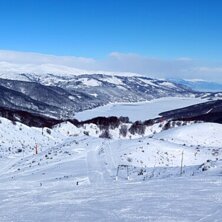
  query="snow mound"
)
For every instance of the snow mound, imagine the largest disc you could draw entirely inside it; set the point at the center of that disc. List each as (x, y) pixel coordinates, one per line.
(202, 134)
(90, 82)
(66, 129)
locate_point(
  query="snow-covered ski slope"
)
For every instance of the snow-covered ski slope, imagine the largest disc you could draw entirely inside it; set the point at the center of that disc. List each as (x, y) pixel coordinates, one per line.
(72, 177)
(166, 200)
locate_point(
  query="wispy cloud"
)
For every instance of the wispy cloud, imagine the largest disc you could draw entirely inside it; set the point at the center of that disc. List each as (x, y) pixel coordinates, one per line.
(115, 62)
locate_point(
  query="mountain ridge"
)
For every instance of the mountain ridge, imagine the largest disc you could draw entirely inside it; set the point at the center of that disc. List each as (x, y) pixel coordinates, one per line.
(61, 96)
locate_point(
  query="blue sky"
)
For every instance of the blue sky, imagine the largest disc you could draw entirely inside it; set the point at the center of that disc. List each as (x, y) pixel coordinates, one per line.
(163, 38)
(94, 28)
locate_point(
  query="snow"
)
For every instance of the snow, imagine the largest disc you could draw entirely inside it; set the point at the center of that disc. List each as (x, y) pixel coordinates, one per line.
(15, 71)
(66, 128)
(168, 84)
(114, 80)
(174, 175)
(141, 110)
(149, 82)
(166, 200)
(94, 94)
(72, 98)
(90, 82)
(202, 134)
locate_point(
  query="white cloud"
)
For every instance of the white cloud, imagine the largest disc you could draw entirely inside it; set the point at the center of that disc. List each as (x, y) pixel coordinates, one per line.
(38, 58)
(205, 69)
(115, 62)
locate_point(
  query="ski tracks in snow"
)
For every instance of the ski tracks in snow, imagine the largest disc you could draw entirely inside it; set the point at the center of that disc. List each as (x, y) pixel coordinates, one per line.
(214, 216)
(101, 162)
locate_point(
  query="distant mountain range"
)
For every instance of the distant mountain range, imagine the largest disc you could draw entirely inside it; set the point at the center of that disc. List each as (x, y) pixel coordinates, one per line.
(61, 96)
(200, 85)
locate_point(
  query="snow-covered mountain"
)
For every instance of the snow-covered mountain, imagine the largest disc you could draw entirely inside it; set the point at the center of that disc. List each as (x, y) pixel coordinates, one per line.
(199, 85)
(62, 96)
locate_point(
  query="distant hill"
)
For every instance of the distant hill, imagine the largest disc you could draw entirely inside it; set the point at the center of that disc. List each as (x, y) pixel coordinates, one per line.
(200, 85)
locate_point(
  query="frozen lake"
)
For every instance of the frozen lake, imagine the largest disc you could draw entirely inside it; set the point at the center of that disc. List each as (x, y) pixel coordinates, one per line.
(141, 110)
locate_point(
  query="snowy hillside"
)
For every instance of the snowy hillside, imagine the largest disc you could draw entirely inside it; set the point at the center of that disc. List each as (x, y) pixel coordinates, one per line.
(199, 134)
(64, 166)
(18, 140)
